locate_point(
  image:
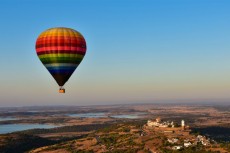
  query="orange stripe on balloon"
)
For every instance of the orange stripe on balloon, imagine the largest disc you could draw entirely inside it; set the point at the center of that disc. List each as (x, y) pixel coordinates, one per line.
(59, 37)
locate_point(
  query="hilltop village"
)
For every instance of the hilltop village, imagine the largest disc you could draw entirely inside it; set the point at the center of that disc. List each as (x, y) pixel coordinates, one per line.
(178, 136)
(154, 136)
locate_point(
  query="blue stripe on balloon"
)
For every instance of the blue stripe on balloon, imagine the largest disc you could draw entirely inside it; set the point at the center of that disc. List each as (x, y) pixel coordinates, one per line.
(60, 67)
(60, 71)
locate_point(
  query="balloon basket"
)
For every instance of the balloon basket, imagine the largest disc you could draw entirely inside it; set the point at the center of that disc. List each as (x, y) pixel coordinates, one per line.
(61, 90)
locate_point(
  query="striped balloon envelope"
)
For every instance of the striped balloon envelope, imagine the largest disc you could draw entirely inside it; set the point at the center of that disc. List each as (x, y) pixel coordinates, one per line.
(61, 50)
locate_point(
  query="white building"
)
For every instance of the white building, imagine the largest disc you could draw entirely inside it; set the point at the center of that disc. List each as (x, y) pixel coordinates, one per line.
(173, 140)
(153, 124)
(204, 141)
(159, 123)
(187, 144)
(176, 147)
(172, 124)
(182, 124)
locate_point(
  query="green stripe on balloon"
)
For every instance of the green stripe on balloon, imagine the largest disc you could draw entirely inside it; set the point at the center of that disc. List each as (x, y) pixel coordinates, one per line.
(60, 55)
(61, 60)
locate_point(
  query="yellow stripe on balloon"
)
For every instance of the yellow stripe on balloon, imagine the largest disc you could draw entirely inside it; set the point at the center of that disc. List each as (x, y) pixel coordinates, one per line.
(60, 32)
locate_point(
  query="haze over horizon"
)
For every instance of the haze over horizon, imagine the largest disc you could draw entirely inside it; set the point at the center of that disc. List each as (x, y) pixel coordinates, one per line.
(137, 52)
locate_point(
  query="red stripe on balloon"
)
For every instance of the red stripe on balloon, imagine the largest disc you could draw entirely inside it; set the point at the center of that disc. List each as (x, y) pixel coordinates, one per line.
(61, 41)
(53, 48)
(61, 44)
(62, 51)
(59, 38)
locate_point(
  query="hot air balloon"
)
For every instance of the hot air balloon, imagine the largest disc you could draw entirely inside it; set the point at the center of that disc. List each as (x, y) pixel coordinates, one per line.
(61, 50)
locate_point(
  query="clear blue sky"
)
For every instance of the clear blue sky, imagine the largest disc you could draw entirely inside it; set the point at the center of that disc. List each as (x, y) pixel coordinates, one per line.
(139, 51)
